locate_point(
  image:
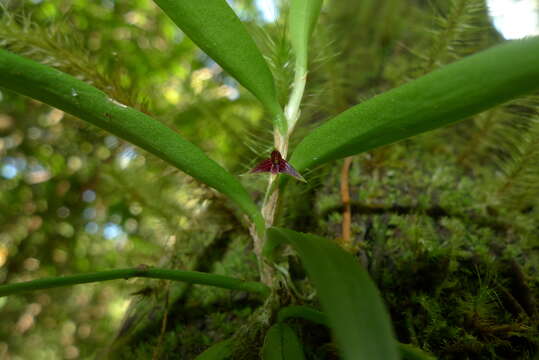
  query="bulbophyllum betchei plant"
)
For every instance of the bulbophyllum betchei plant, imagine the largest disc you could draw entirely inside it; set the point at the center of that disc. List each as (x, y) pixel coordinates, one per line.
(351, 305)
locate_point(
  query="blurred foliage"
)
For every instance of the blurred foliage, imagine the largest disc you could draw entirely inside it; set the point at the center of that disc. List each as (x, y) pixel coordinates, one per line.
(446, 223)
(75, 199)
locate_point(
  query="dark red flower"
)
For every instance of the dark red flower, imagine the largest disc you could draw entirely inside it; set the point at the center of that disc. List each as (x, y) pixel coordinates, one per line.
(276, 164)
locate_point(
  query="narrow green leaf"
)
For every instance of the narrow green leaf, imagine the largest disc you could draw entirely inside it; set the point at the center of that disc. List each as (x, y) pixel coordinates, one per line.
(220, 351)
(452, 93)
(303, 16)
(192, 277)
(406, 351)
(301, 311)
(282, 343)
(216, 29)
(353, 306)
(63, 91)
(410, 352)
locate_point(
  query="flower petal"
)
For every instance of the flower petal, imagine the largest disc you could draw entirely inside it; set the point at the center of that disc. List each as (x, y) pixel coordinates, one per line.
(264, 166)
(286, 168)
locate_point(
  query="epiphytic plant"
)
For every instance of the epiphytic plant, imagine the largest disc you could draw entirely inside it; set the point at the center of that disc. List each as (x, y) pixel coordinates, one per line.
(350, 302)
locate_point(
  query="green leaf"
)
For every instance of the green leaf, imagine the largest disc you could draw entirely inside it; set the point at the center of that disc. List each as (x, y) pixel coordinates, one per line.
(301, 311)
(216, 29)
(192, 277)
(67, 93)
(353, 306)
(220, 351)
(303, 16)
(410, 352)
(452, 93)
(281, 343)
(406, 351)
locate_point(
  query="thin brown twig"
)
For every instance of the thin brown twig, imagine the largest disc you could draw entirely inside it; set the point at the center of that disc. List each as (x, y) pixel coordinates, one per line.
(157, 350)
(345, 197)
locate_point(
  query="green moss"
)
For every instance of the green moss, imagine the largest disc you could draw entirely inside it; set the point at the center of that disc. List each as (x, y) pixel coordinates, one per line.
(460, 279)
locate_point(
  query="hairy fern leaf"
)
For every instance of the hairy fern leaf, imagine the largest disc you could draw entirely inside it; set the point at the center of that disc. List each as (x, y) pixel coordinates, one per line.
(515, 146)
(461, 31)
(52, 46)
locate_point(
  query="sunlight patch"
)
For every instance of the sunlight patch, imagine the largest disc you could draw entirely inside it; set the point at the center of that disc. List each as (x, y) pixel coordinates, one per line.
(515, 19)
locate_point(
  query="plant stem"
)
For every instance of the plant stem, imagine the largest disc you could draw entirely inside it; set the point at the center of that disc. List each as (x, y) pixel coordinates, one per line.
(292, 111)
(271, 197)
(193, 277)
(345, 198)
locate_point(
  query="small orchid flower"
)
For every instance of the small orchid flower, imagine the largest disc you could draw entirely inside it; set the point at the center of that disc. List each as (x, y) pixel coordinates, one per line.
(276, 164)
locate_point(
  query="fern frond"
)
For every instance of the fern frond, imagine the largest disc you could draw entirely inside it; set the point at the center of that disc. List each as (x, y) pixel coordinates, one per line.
(463, 30)
(457, 28)
(272, 40)
(51, 45)
(515, 146)
(476, 143)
